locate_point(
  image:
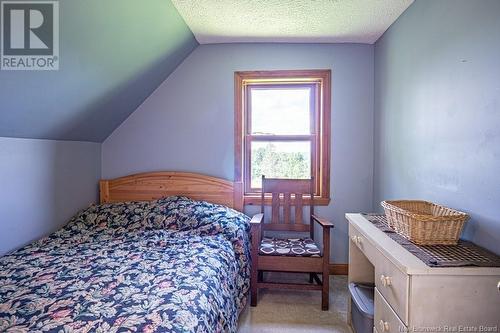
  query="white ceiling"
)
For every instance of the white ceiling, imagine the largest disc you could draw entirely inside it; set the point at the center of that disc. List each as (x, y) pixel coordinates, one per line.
(300, 21)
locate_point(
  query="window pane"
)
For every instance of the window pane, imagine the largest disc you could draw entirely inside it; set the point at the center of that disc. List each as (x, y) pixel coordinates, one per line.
(280, 111)
(277, 159)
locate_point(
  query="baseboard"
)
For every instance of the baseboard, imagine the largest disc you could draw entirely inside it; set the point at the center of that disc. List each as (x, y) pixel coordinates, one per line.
(338, 269)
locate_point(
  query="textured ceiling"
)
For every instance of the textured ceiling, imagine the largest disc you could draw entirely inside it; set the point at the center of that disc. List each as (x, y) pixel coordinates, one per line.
(324, 21)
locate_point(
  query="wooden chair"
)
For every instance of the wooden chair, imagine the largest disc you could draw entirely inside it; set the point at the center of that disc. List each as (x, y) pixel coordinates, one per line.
(289, 255)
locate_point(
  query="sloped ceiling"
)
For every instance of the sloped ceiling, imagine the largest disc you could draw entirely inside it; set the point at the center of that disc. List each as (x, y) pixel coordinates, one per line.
(113, 54)
(304, 21)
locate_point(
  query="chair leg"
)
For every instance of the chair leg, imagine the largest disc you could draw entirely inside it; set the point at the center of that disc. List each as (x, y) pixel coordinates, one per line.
(253, 292)
(311, 278)
(254, 273)
(325, 291)
(254, 277)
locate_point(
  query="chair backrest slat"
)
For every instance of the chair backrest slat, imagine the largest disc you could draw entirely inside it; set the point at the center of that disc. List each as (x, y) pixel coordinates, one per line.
(298, 208)
(275, 207)
(286, 208)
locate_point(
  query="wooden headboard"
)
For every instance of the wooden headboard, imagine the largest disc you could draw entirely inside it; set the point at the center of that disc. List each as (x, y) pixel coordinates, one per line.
(154, 185)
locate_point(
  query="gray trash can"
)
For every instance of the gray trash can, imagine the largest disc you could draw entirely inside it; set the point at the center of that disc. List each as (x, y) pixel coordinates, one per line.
(362, 307)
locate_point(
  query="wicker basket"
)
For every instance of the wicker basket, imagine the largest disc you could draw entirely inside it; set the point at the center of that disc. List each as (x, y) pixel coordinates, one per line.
(425, 223)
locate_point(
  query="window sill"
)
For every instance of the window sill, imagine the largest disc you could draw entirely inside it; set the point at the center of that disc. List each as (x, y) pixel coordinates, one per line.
(254, 199)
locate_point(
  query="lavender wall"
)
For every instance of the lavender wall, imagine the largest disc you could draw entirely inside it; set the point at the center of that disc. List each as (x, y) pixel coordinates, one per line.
(42, 184)
(187, 123)
(437, 111)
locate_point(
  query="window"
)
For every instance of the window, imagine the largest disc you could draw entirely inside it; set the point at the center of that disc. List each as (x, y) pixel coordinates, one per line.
(282, 129)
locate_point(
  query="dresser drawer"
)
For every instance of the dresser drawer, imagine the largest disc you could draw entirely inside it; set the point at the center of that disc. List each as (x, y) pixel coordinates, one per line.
(393, 284)
(363, 244)
(385, 319)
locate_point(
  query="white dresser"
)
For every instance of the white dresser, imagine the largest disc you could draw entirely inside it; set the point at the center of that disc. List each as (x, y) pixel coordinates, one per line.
(411, 296)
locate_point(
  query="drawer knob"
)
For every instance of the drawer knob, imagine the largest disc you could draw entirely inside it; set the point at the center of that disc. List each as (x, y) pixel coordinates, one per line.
(384, 326)
(356, 239)
(385, 280)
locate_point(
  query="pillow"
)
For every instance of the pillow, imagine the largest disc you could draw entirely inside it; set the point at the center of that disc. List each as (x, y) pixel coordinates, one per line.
(113, 216)
(184, 214)
(175, 213)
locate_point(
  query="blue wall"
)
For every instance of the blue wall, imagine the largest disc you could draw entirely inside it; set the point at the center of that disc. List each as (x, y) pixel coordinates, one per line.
(113, 54)
(437, 111)
(42, 184)
(188, 122)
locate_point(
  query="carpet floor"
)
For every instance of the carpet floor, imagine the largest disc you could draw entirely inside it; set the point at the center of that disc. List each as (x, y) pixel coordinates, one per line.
(290, 311)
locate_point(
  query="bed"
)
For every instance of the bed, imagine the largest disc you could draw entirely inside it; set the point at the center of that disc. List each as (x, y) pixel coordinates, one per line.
(162, 252)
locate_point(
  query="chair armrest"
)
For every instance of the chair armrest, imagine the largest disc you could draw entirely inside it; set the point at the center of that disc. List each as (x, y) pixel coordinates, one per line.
(255, 234)
(323, 222)
(256, 220)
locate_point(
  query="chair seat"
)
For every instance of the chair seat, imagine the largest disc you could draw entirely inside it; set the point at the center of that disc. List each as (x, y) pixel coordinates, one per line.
(289, 247)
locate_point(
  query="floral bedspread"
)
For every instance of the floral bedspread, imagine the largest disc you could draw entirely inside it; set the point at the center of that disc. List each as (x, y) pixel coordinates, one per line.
(171, 265)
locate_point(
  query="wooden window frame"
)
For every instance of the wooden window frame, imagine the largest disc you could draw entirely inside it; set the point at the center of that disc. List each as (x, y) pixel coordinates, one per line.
(320, 139)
